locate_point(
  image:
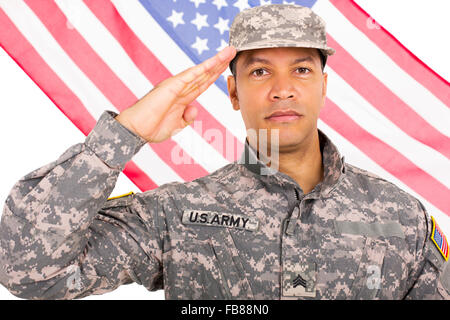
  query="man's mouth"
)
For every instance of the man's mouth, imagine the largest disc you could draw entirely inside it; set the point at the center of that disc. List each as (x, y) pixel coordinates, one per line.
(284, 116)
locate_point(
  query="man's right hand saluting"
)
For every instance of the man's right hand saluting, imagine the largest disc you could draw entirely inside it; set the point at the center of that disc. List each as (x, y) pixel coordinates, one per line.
(166, 108)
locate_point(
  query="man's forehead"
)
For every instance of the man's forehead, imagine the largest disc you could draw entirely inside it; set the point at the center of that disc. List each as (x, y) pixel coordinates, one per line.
(248, 57)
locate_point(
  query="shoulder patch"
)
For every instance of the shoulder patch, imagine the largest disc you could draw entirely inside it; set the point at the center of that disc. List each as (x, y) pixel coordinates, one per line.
(439, 239)
(121, 196)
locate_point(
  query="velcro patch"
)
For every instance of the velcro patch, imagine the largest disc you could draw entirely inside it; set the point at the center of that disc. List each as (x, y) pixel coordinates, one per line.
(299, 280)
(439, 239)
(218, 219)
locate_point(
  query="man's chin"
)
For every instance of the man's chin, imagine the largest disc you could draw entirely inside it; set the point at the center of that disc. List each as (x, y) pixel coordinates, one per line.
(291, 142)
(283, 140)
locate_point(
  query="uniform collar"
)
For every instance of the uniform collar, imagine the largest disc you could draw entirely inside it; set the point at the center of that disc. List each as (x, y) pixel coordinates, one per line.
(331, 158)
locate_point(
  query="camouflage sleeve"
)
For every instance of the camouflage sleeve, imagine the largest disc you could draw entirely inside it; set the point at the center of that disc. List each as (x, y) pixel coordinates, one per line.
(430, 279)
(59, 236)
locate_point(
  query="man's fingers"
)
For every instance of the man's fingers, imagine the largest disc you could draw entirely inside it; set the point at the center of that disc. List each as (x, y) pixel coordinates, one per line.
(209, 67)
(202, 79)
(199, 78)
(222, 57)
(193, 89)
(209, 81)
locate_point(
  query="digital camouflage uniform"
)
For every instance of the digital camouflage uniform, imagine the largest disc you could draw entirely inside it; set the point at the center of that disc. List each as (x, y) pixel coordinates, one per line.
(355, 236)
(238, 233)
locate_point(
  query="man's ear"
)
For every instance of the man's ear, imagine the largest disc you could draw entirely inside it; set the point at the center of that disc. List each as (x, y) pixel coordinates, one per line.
(232, 92)
(324, 88)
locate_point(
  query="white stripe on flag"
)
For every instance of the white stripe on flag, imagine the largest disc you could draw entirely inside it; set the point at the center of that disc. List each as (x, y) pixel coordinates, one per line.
(94, 101)
(368, 117)
(154, 167)
(105, 45)
(382, 67)
(48, 48)
(201, 151)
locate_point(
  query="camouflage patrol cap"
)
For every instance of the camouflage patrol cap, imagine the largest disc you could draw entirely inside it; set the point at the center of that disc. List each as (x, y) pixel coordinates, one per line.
(279, 25)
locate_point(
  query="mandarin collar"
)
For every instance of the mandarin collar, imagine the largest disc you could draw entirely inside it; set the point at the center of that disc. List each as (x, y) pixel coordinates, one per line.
(333, 164)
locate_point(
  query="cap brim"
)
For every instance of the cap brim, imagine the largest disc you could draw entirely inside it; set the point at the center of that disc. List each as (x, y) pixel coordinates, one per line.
(285, 44)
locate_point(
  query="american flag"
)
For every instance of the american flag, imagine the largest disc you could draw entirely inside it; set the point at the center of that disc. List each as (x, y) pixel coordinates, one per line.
(440, 239)
(386, 110)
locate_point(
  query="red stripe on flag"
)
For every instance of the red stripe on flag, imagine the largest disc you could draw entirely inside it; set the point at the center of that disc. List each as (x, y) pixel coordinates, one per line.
(81, 53)
(152, 68)
(139, 178)
(103, 77)
(404, 58)
(23, 53)
(387, 157)
(385, 101)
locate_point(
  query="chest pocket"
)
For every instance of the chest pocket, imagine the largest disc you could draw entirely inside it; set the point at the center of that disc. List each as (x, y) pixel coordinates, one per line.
(191, 271)
(211, 268)
(369, 277)
(230, 264)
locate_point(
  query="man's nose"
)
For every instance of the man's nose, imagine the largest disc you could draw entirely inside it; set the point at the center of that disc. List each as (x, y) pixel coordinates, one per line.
(282, 89)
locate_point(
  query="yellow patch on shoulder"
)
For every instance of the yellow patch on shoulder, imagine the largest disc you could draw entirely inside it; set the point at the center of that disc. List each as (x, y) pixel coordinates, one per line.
(121, 196)
(440, 240)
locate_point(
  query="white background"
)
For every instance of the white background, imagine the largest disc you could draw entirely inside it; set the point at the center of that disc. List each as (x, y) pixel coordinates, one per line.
(29, 142)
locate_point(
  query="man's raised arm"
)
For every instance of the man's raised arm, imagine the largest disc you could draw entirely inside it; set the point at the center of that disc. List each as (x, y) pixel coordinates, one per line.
(59, 236)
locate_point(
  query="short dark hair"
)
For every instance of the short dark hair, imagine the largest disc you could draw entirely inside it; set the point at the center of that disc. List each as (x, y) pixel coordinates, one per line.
(323, 60)
(233, 64)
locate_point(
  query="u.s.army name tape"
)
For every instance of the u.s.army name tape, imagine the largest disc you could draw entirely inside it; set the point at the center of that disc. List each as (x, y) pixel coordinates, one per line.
(220, 219)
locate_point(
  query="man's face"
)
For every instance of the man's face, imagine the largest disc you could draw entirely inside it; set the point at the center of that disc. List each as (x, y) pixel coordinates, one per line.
(280, 88)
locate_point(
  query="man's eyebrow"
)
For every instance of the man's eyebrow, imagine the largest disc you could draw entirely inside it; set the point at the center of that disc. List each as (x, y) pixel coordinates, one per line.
(252, 60)
(307, 58)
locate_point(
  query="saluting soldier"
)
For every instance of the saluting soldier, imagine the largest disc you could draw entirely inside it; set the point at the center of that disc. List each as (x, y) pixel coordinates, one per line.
(294, 223)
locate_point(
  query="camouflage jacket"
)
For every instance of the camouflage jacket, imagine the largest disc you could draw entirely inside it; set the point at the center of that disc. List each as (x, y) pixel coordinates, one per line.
(234, 234)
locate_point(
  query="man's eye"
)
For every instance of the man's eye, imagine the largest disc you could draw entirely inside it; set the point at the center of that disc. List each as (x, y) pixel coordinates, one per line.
(303, 70)
(259, 72)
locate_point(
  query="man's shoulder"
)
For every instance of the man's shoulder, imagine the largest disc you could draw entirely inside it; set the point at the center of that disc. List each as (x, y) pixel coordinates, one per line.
(365, 173)
(380, 190)
(382, 201)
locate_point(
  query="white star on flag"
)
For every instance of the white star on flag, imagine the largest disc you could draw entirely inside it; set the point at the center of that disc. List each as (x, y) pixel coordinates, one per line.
(200, 21)
(197, 2)
(200, 45)
(242, 5)
(265, 2)
(220, 3)
(222, 25)
(176, 18)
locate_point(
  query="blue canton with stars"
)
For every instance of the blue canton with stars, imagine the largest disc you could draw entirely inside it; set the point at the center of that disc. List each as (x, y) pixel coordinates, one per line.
(201, 27)
(438, 238)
